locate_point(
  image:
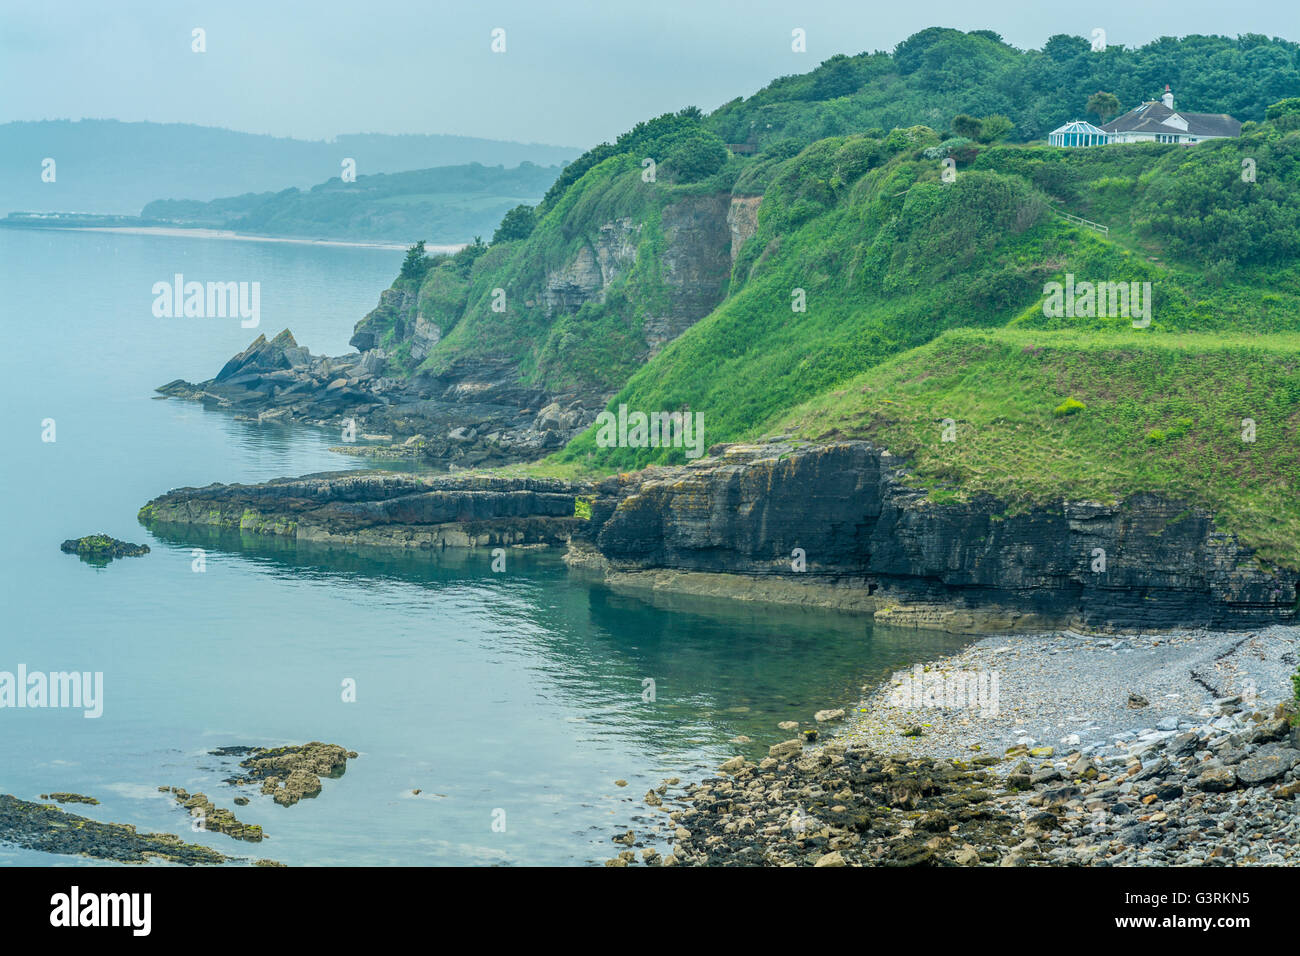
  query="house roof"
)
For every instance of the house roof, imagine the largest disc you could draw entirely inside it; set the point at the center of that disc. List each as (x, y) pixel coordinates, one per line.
(1079, 126)
(1151, 118)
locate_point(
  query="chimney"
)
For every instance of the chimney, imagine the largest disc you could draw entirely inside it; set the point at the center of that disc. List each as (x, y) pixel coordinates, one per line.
(1168, 98)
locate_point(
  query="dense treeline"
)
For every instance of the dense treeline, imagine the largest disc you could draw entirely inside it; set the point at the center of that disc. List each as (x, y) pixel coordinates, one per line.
(940, 77)
(938, 73)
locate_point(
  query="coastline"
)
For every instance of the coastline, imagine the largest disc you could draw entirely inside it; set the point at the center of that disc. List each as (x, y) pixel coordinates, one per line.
(180, 231)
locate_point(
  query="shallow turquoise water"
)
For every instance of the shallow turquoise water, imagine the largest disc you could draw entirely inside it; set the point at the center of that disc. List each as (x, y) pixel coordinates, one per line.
(520, 692)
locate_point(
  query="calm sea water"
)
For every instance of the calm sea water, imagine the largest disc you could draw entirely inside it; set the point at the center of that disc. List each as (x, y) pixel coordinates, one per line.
(519, 692)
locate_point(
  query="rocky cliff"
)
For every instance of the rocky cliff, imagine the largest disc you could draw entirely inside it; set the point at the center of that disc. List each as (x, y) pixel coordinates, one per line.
(842, 518)
(476, 405)
(833, 524)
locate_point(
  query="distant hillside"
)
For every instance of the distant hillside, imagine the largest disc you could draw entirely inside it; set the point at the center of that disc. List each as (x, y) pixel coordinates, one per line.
(106, 166)
(445, 205)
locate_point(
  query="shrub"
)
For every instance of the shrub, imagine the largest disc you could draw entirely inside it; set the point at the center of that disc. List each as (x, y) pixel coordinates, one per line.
(696, 157)
(1070, 406)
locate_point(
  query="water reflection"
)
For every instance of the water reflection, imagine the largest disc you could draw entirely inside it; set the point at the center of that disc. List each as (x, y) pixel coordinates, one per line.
(719, 668)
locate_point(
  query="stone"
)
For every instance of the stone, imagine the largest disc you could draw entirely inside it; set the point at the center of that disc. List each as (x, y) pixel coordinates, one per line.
(1270, 730)
(1216, 779)
(1270, 764)
(967, 856)
(788, 748)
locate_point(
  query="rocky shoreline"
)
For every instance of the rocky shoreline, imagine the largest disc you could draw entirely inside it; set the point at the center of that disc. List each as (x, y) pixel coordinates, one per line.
(836, 525)
(471, 417)
(1214, 782)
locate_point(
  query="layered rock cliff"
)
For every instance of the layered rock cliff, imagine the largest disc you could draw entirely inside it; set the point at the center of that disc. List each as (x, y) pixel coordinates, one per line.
(833, 524)
(380, 509)
(858, 526)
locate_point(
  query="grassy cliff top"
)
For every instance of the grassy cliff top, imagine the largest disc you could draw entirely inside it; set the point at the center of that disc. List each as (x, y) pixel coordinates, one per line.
(1035, 416)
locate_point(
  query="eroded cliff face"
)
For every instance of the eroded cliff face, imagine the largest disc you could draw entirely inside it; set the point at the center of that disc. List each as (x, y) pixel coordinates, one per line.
(696, 264)
(742, 219)
(477, 410)
(1142, 562)
(593, 269)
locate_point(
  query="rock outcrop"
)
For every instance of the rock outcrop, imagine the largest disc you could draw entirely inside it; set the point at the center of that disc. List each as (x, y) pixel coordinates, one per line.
(475, 413)
(100, 549)
(383, 510)
(835, 524)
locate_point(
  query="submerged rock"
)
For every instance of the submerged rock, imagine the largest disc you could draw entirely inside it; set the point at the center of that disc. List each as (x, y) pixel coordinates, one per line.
(62, 797)
(214, 818)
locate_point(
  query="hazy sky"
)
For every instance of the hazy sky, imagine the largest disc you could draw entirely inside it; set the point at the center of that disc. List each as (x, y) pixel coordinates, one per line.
(574, 72)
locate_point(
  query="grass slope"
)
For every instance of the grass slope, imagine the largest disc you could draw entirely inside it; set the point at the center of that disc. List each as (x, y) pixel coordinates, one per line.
(1159, 413)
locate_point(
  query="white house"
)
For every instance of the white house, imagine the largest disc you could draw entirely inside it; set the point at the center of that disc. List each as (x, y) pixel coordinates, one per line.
(1152, 122)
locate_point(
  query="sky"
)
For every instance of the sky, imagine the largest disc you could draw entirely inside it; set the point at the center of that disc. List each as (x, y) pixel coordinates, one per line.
(573, 73)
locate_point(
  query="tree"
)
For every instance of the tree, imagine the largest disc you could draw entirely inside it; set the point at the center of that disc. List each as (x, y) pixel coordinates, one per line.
(518, 223)
(838, 76)
(416, 263)
(1103, 105)
(966, 126)
(1283, 108)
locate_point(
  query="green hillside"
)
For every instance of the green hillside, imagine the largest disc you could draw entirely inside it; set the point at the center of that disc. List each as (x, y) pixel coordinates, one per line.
(970, 89)
(880, 294)
(889, 258)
